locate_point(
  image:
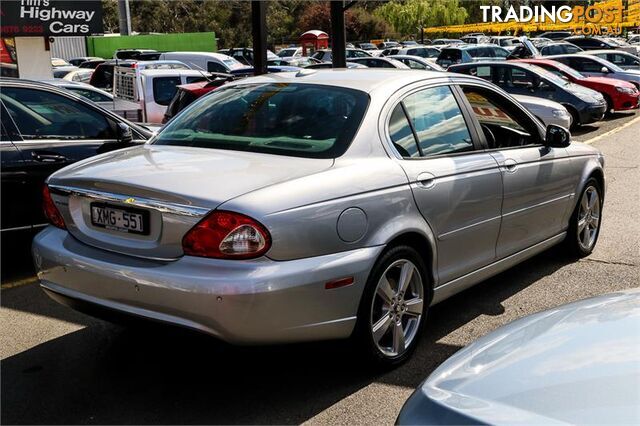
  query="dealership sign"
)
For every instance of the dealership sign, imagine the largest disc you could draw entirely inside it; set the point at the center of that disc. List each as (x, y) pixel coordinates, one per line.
(50, 17)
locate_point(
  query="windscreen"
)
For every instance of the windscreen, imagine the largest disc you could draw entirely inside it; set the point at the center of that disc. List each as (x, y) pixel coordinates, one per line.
(303, 120)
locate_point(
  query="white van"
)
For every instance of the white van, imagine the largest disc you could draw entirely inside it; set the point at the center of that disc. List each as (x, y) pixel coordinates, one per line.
(205, 61)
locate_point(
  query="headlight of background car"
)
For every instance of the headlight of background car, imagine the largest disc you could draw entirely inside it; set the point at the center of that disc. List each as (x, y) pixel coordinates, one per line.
(627, 90)
(559, 113)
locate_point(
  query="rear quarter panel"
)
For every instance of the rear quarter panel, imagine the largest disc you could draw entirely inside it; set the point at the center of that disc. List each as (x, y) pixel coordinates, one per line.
(302, 215)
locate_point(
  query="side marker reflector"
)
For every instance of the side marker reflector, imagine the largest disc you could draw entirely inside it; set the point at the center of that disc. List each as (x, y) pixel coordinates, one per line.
(342, 282)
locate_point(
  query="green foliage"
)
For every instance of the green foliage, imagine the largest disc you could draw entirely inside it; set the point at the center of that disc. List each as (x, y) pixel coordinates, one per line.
(286, 19)
(410, 15)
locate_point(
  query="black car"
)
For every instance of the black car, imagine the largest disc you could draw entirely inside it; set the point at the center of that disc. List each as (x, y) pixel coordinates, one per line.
(584, 105)
(45, 128)
(591, 43)
(244, 55)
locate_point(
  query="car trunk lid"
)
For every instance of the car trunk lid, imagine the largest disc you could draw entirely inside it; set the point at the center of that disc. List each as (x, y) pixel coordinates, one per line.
(170, 188)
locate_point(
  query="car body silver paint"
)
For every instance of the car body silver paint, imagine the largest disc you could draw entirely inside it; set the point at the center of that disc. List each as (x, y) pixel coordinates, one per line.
(300, 201)
(574, 364)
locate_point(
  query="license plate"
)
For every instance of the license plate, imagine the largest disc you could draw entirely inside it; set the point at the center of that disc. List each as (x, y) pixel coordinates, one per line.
(122, 219)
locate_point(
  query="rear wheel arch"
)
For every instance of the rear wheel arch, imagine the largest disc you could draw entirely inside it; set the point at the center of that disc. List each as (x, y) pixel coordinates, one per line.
(598, 175)
(422, 245)
(575, 116)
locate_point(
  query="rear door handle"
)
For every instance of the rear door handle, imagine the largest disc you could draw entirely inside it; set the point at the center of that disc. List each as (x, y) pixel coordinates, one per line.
(426, 180)
(510, 165)
(48, 157)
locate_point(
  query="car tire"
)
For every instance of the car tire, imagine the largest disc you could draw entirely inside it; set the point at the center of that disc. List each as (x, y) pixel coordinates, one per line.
(586, 221)
(575, 117)
(609, 102)
(390, 320)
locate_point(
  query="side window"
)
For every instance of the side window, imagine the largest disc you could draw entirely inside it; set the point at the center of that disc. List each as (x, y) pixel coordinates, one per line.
(360, 54)
(215, 67)
(500, 53)
(568, 48)
(164, 88)
(504, 125)
(474, 53)
(438, 122)
(523, 79)
(414, 64)
(587, 65)
(553, 50)
(402, 135)
(40, 114)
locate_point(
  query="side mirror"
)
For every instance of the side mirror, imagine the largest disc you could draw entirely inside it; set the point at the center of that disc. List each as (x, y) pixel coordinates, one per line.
(124, 133)
(604, 70)
(557, 136)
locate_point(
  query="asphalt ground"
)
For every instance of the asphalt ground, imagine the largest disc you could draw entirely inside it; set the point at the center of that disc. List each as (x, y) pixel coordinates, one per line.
(59, 366)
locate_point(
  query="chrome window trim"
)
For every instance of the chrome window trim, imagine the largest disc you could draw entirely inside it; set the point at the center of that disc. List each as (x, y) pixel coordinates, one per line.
(161, 206)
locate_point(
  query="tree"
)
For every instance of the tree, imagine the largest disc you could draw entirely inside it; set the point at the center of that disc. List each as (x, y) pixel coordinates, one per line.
(410, 15)
(360, 24)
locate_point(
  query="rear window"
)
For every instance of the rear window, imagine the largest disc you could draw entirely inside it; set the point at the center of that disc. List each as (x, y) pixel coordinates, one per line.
(164, 88)
(302, 120)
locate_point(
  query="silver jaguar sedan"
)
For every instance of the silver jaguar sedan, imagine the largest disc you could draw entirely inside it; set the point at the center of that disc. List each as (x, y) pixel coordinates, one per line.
(316, 205)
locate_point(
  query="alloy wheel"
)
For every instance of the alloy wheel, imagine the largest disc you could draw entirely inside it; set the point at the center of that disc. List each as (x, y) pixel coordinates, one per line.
(588, 218)
(397, 307)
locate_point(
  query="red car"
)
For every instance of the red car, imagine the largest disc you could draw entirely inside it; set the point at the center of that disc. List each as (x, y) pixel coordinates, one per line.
(187, 93)
(620, 95)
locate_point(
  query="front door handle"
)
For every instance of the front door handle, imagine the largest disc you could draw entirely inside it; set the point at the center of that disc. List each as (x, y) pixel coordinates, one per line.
(426, 180)
(510, 165)
(48, 157)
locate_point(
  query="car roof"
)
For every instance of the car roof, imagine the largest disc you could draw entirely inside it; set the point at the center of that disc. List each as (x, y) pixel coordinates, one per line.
(363, 79)
(172, 72)
(590, 52)
(503, 63)
(220, 56)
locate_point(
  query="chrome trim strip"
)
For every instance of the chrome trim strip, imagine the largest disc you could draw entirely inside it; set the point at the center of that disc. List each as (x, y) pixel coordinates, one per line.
(535, 206)
(161, 206)
(465, 228)
(457, 285)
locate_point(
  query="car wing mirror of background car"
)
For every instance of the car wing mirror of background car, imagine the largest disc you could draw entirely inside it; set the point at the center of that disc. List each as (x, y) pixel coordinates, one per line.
(604, 70)
(125, 134)
(557, 136)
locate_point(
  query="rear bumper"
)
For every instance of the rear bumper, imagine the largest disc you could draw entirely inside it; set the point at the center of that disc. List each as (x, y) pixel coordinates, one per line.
(242, 302)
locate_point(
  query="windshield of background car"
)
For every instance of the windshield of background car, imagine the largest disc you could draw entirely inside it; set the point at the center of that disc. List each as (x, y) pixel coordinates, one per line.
(287, 52)
(302, 120)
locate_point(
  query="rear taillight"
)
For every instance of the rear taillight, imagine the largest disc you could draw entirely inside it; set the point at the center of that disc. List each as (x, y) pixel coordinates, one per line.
(227, 235)
(50, 210)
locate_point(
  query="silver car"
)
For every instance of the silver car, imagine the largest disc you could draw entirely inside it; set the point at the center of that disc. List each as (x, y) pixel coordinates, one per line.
(575, 364)
(321, 204)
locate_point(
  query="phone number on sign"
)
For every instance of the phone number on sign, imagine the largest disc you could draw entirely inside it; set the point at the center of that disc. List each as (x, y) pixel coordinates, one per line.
(25, 29)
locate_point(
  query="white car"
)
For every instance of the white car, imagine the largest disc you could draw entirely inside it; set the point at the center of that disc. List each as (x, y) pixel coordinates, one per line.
(290, 52)
(545, 110)
(205, 61)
